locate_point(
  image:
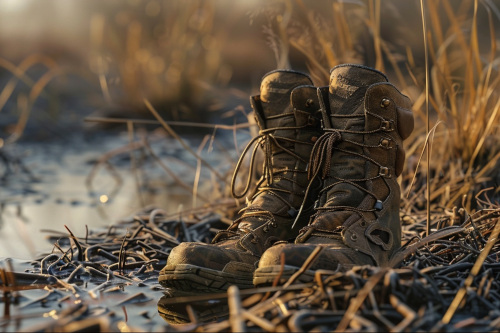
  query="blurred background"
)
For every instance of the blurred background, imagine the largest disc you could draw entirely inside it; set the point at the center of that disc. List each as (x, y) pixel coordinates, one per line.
(80, 146)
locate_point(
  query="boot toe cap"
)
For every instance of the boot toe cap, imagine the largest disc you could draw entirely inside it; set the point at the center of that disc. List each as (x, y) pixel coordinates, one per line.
(197, 254)
(294, 255)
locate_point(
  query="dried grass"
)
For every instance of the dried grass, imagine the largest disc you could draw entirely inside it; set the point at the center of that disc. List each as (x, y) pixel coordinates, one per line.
(463, 160)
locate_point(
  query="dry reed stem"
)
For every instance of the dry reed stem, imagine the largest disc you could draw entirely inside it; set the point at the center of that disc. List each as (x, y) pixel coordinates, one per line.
(198, 169)
(179, 139)
(170, 123)
(427, 117)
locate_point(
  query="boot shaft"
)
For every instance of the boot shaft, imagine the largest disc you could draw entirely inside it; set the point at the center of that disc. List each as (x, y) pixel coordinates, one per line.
(372, 118)
(366, 120)
(288, 109)
(289, 118)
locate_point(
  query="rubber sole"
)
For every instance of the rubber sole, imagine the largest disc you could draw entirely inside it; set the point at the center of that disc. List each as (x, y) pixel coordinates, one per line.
(265, 276)
(195, 279)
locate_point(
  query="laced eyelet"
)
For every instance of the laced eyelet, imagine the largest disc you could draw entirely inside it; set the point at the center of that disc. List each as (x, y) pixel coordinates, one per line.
(253, 240)
(385, 172)
(387, 125)
(265, 229)
(274, 225)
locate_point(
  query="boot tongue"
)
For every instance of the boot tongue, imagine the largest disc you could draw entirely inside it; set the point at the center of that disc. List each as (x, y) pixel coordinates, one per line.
(276, 88)
(348, 84)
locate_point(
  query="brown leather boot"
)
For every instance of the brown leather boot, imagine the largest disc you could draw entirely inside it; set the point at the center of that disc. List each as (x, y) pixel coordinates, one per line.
(359, 159)
(288, 114)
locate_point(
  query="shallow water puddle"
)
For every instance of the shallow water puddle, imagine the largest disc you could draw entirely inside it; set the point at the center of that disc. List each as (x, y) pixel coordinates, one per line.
(56, 194)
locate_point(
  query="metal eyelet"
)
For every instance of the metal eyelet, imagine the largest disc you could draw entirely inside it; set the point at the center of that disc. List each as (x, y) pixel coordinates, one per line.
(363, 223)
(387, 125)
(265, 229)
(309, 102)
(384, 172)
(274, 225)
(253, 240)
(354, 237)
(385, 102)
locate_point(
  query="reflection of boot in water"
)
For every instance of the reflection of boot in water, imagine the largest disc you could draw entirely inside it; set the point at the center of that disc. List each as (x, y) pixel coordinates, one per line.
(207, 311)
(359, 158)
(287, 112)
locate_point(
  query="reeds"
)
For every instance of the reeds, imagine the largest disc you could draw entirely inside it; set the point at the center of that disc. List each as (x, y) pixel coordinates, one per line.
(464, 83)
(166, 52)
(426, 290)
(464, 99)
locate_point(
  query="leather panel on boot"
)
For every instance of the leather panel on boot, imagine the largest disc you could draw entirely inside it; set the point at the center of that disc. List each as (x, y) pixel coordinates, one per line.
(286, 141)
(358, 157)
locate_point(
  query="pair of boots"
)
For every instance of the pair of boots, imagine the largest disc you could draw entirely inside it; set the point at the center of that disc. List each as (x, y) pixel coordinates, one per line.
(332, 156)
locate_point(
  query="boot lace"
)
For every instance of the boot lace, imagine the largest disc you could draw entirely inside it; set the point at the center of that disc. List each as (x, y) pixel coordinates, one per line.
(266, 139)
(320, 162)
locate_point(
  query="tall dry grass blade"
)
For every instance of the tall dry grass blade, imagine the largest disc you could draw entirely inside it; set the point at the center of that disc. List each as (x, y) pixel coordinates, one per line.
(427, 128)
(429, 138)
(198, 169)
(486, 132)
(103, 82)
(474, 40)
(323, 41)
(283, 22)
(374, 6)
(493, 41)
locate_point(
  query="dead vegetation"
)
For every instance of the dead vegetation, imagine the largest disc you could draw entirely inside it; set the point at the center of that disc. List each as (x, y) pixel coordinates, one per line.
(447, 281)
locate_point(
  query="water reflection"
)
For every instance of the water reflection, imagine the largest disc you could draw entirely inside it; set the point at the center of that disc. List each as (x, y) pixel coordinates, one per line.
(60, 195)
(183, 310)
